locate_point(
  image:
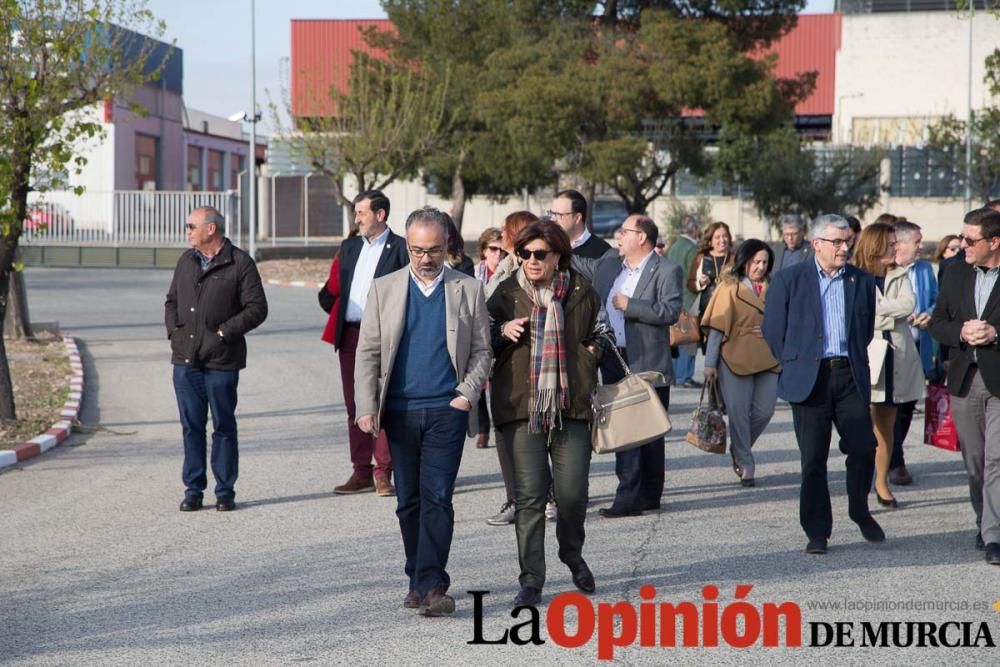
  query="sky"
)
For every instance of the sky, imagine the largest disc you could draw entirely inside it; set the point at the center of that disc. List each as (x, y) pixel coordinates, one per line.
(215, 38)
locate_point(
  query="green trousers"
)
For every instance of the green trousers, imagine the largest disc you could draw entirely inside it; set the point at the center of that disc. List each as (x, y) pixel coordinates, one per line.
(569, 476)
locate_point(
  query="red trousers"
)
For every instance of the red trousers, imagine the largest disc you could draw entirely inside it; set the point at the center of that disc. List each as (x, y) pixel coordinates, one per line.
(363, 445)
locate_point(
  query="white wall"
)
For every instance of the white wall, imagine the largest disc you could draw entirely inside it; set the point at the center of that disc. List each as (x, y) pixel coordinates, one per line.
(910, 65)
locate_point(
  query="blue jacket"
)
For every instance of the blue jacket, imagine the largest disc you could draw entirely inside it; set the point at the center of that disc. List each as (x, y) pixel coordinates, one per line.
(793, 327)
(926, 288)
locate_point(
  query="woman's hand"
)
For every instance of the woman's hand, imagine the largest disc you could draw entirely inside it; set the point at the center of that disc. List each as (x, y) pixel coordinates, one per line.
(512, 329)
(711, 374)
(703, 281)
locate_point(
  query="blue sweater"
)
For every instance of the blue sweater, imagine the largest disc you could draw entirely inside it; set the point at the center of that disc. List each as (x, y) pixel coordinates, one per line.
(422, 376)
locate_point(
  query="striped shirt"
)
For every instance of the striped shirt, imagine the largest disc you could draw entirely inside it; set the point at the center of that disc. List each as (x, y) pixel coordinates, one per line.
(831, 299)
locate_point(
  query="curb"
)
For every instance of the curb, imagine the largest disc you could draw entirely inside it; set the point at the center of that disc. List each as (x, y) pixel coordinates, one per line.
(294, 283)
(59, 431)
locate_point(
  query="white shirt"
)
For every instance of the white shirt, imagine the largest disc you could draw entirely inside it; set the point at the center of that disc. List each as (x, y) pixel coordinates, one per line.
(364, 274)
(426, 290)
(581, 239)
(625, 283)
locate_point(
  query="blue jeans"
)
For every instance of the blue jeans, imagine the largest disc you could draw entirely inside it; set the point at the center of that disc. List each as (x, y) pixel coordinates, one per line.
(426, 447)
(684, 365)
(198, 390)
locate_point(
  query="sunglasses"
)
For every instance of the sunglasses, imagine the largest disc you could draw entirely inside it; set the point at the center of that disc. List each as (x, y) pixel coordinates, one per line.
(540, 255)
(496, 248)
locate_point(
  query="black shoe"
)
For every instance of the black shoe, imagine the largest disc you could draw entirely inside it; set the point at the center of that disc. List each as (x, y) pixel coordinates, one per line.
(691, 384)
(747, 482)
(529, 596)
(190, 504)
(650, 507)
(993, 553)
(583, 578)
(225, 504)
(615, 513)
(886, 502)
(817, 545)
(871, 530)
(979, 542)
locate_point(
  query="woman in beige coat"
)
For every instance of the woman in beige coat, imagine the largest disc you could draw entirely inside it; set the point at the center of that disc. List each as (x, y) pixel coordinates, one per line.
(897, 376)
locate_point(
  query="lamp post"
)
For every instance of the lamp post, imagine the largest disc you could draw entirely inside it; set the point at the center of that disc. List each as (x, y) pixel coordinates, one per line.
(840, 118)
(253, 118)
(970, 118)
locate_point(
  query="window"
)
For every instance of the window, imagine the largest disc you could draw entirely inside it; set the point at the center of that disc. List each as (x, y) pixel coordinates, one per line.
(145, 161)
(236, 165)
(214, 170)
(194, 181)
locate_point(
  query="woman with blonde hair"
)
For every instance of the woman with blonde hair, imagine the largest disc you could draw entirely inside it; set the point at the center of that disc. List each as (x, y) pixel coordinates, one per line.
(896, 373)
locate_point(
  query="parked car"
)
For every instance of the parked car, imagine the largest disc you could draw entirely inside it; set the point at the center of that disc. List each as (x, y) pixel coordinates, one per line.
(48, 217)
(607, 215)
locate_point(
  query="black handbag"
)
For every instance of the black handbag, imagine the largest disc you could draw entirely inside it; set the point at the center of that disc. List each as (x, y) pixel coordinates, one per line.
(325, 298)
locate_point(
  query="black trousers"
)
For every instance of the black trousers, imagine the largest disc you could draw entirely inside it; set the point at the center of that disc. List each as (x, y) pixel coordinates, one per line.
(640, 470)
(834, 401)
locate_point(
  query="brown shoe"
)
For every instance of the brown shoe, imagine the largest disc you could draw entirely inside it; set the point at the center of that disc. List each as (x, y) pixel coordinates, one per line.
(384, 488)
(412, 600)
(355, 485)
(437, 603)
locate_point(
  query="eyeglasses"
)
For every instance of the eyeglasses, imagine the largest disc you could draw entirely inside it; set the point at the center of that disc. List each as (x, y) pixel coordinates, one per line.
(626, 229)
(540, 255)
(420, 252)
(971, 242)
(191, 227)
(496, 248)
(836, 243)
(555, 214)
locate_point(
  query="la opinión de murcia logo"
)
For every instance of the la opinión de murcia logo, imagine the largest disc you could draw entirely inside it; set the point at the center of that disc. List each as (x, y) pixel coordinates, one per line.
(707, 624)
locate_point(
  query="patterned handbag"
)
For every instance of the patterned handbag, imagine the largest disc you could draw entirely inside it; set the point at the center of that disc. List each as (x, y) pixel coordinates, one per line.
(708, 427)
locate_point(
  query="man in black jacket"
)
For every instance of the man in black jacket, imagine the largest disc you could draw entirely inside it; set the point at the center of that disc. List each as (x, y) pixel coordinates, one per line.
(569, 211)
(373, 253)
(215, 299)
(966, 318)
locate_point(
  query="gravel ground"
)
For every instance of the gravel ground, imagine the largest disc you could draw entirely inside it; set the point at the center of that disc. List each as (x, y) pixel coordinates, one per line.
(100, 568)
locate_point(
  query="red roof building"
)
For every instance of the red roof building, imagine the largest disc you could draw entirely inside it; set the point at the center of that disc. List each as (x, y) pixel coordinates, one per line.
(322, 52)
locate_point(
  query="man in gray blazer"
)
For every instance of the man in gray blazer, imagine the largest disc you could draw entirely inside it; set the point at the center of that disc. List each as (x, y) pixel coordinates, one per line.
(641, 293)
(423, 356)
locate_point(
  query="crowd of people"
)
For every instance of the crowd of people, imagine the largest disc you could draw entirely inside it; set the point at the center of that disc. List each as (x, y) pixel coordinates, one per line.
(435, 346)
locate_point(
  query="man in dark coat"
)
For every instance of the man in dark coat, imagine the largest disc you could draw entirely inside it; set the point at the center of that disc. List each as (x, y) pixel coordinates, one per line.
(569, 211)
(215, 299)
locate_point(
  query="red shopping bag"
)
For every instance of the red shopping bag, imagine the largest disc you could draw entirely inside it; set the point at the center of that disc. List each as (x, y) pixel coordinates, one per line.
(939, 427)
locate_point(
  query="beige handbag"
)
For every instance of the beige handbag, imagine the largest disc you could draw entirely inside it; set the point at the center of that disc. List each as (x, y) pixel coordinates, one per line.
(627, 414)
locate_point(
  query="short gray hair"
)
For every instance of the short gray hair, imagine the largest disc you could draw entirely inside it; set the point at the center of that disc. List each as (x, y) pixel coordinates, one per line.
(428, 215)
(690, 224)
(905, 229)
(826, 221)
(210, 214)
(791, 220)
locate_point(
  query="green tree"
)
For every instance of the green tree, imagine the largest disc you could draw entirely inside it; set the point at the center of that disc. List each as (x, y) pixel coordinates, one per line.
(384, 125)
(948, 137)
(611, 102)
(57, 59)
(786, 177)
(457, 38)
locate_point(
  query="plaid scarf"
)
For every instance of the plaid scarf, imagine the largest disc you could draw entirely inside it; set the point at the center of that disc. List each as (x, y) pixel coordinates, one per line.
(549, 381)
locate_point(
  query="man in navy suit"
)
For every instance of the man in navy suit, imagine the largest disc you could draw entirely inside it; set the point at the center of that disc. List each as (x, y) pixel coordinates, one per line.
(818, 321)
(373, 253)
(641, 293)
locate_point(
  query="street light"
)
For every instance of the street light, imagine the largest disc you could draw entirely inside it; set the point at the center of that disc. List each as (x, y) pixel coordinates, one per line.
(840, 118)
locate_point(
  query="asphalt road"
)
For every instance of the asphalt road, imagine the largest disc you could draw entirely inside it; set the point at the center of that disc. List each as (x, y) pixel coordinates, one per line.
(97, 566)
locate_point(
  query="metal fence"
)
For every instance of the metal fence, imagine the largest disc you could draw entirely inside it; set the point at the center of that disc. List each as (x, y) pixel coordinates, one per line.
(122, 217)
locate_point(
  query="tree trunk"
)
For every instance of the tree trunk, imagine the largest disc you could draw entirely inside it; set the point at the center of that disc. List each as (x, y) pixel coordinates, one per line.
(6, 384)
(458, 192)
(17, 322)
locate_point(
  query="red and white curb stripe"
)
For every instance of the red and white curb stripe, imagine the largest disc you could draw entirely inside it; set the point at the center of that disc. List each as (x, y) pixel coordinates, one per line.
(62, 428)
(294, 283)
